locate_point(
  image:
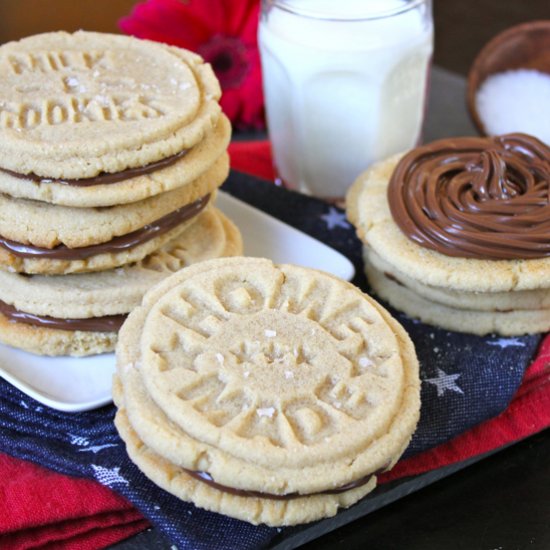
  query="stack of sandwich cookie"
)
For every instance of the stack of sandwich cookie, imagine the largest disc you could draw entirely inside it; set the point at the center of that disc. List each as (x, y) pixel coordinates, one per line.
(80, 314)
(270, 393)
(457, 233)
(111, 151)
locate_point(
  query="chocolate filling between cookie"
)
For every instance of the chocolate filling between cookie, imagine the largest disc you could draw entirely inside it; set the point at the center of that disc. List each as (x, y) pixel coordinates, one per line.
(395, 280)
(118, 244)
(108, 323)
(104, 178)
(205, 477)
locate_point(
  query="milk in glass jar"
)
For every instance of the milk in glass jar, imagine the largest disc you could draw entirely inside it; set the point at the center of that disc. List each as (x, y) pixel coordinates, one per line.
(345, 85)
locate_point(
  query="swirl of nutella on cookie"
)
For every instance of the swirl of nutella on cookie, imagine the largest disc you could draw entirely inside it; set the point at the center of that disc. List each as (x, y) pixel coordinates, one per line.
(484, 198)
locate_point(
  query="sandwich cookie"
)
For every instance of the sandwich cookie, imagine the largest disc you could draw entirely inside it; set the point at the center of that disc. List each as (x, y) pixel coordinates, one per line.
(270, 393)
(37, 237)
(111, 153)
(180, 171)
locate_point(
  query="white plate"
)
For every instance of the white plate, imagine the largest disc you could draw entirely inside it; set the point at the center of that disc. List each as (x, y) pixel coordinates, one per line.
(268, 237)
(80, 384)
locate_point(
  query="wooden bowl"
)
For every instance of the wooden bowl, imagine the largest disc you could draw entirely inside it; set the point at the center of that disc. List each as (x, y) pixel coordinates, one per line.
(525, 46)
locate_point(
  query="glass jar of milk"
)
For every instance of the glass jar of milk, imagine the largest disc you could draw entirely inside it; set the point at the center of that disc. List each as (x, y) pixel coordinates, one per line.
(345, 85)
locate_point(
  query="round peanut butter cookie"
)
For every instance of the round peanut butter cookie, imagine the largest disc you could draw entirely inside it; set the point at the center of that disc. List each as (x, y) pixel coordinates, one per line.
(284, 384)
(503, 302)
(167, 440)
(253, 509)
(76, 105)
(55, 342)
(476, 321)
(80, 314)
(44, 225)
(181, 172)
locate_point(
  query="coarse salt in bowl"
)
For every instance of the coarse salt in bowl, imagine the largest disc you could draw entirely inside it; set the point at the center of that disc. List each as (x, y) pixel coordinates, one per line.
(516, 101)
(509, 82)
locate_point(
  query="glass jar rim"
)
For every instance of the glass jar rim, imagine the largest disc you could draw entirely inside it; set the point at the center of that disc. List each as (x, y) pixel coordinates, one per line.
(317, 14)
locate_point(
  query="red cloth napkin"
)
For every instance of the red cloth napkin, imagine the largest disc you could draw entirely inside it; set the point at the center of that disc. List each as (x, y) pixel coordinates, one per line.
(46, 510)
(252, 157)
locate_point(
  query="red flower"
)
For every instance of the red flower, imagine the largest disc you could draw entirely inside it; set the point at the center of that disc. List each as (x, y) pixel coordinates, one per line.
(224, 33)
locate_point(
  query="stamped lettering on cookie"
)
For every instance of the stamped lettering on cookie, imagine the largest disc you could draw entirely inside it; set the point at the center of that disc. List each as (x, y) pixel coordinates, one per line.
(74, 110)
(294, 360)
(111, 101)
(52, 61)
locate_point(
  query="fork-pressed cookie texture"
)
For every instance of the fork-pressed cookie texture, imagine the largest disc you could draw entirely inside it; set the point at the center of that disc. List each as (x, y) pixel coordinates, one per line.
(285, 388)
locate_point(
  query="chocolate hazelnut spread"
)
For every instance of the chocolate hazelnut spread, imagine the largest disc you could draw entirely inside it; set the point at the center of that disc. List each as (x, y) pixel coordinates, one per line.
(485, 198)
(205, 477)
(109, 323)
(118, 244)
(104, 178)
(393, 278)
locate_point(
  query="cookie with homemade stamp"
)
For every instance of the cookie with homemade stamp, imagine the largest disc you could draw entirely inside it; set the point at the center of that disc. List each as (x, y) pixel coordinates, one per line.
(270, 393)
(457, 233)
(111, 150)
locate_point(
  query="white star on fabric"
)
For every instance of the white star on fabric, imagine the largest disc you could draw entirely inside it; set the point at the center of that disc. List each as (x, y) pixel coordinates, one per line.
(445, 382)
(108, 476)
(507, 343)
(79, 440)
(335, 219)
(96, 448)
